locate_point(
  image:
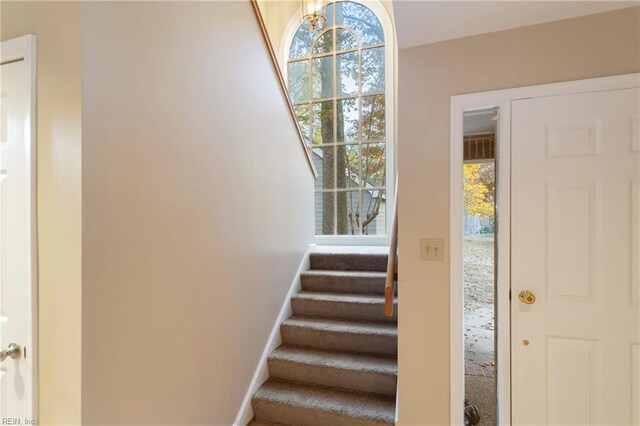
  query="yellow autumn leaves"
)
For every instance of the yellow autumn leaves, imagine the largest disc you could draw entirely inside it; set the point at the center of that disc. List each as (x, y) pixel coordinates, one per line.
(479, 189)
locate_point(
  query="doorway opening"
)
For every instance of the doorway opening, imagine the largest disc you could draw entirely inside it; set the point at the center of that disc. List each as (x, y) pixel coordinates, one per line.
(479, 266)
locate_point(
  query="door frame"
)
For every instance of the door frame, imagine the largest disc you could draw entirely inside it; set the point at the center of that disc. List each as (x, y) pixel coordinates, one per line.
(500, 99)
(24, 49)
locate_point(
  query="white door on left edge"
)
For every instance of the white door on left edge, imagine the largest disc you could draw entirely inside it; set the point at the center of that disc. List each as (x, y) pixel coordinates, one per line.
(575, 232)
(17, 235)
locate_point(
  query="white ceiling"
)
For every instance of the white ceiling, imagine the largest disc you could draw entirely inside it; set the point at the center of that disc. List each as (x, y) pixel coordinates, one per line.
(477, 122)
(422, 22)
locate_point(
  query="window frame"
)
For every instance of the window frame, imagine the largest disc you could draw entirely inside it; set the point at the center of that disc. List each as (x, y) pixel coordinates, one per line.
(380, 12)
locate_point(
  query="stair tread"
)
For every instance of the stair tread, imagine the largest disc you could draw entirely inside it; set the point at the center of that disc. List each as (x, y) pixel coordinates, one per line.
(343, 281)
(343, 326)
(354, 253)
(343, 403)
(349, 261)
(341, 297)
(339, 273)
(339, 360)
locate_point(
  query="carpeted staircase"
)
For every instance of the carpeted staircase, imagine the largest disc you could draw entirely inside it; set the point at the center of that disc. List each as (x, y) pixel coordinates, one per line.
(337, 365)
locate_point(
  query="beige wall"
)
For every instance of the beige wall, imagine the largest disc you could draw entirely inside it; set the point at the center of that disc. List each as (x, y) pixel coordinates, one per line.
(57, 28)
(276, 15)
(592, 46)
(197, 208)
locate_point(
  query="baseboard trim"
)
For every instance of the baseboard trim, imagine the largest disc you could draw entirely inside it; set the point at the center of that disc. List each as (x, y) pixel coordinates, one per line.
(245, 414)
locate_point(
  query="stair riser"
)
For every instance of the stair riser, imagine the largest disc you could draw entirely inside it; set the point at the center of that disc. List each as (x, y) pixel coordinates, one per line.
(349, 262)
(339, 341)
(342, 284)
(268, 411)
(365, 381)
(342, 310)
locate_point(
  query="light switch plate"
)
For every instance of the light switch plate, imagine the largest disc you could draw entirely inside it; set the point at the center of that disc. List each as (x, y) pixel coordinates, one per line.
(432, 249)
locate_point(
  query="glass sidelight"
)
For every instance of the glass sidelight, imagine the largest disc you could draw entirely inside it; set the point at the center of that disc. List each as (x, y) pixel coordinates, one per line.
(479, 261)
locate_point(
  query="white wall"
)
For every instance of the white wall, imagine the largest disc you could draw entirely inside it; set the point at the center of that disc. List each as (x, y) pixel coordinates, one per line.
(197, 208)
(57, 28)
(591, 46)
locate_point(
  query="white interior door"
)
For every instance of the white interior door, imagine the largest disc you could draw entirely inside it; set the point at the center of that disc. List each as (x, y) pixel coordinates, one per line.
(17, 231)
(575, 233)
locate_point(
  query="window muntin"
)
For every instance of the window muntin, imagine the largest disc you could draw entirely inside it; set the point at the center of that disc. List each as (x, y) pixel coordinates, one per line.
(337, 84)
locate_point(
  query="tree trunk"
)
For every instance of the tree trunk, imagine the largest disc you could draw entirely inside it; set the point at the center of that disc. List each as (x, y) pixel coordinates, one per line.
(328, 162)
(341, 179)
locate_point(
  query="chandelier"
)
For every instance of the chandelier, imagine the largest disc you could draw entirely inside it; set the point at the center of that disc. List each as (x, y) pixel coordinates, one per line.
(314, 14)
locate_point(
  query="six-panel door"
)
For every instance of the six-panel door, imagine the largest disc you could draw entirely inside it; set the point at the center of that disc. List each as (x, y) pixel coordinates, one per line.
(575, 233)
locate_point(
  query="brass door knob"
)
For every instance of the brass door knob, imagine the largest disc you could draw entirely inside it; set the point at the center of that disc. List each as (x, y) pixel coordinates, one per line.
(527, 297)
(13, 351)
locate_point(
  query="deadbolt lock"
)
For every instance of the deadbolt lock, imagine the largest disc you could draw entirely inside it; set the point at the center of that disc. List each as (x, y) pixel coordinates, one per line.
(527, 297)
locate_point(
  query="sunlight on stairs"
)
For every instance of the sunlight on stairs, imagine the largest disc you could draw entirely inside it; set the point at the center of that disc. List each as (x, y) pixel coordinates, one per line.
(337, 364)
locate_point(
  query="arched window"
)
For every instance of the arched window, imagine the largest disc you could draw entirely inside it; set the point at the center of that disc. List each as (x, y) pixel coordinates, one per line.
(336, 79)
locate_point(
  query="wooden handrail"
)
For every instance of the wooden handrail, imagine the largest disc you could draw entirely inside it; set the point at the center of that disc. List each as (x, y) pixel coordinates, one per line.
(392, 262)
(283, 85)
